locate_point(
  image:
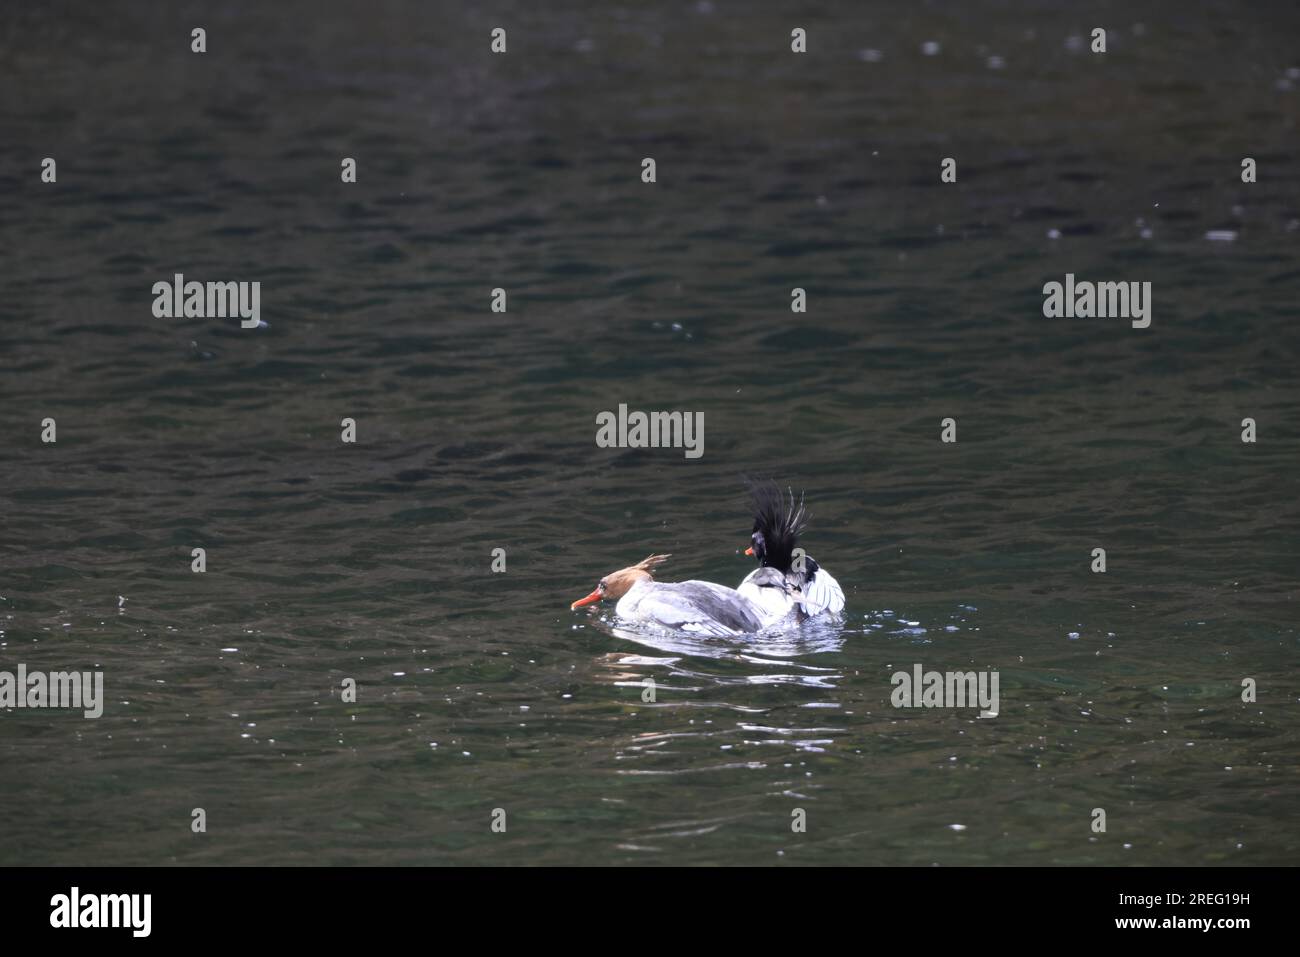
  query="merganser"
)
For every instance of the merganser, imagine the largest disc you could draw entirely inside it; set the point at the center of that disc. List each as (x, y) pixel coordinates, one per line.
(786, 582)
(701, 608)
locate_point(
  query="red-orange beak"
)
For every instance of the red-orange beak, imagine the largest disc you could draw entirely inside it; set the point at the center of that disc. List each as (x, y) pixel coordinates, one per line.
(749, 550)
(594, 596)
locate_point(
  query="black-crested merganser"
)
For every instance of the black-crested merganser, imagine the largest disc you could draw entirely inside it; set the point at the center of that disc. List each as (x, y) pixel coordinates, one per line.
(787, 579)
(701, 608)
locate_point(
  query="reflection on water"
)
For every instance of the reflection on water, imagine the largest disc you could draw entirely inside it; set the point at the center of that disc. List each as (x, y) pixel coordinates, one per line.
(476, 431)
(811, 637)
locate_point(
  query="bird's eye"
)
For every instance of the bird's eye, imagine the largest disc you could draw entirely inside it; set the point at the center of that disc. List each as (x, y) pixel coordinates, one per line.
(600, 586)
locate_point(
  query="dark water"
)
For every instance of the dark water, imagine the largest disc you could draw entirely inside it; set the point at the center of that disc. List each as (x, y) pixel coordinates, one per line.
(476, 430)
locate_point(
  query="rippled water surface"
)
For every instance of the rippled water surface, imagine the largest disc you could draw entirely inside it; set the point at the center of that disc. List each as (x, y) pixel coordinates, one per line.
(476, 430)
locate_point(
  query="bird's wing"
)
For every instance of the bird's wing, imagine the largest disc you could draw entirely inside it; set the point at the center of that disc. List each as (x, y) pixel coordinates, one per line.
(700, 607)
(822, 593)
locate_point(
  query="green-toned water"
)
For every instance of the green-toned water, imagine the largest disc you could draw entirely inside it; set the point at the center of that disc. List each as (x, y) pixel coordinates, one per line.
(476, 431)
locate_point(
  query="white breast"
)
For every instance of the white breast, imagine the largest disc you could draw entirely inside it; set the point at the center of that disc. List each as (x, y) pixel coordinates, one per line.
(765, 589)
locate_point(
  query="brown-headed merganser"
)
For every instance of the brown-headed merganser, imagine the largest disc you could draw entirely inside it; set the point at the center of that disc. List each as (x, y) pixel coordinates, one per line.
(701, 608)
(787, 579)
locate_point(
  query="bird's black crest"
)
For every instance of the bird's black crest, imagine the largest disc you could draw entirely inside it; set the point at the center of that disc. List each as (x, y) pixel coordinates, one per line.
(781, 519)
